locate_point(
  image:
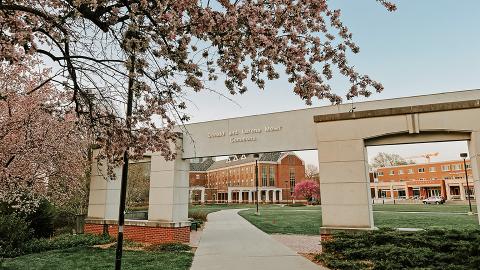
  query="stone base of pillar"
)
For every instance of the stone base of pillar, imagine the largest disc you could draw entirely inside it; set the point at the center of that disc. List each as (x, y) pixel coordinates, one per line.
(152, 232)
(326, 233)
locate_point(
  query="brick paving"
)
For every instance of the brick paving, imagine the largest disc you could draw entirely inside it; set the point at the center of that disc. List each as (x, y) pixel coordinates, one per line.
(195, 237)
(300, 243)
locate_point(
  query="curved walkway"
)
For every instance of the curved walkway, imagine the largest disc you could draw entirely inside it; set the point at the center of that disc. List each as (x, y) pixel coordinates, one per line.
(230, 242)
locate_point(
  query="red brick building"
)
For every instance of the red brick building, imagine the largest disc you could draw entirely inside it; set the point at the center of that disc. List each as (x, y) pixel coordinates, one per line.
(233, 179)
(445, 179)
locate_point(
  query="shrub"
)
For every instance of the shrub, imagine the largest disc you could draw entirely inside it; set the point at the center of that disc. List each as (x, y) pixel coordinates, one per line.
(198, 215)
(42, 219)
(14, 233)
(169, 247)
(64, 221)
(391, 249)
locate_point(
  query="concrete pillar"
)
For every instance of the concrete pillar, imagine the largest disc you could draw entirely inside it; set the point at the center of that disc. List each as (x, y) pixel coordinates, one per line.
(274, 199)
(104, 195)
(463, 196)
(376, 191)
(259, 195)
(474, 149)
(392, 196)
(190, 195)
(202, 198)
(250, 196)
(240, 196)
(407, 196)
(169, 186)
(280, 194)
(345, 184)
(229, 196)
(267, 196)
(447, 191)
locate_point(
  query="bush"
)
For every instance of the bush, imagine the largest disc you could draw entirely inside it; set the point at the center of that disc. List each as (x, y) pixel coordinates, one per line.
(391, 249)
(65, 241)
(198, 215)
(64, 221)
(42, 219)
(14, 233)
(170, 247)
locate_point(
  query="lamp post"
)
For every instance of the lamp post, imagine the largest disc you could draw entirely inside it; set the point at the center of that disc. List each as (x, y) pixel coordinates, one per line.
(464, 156)
(256, 156)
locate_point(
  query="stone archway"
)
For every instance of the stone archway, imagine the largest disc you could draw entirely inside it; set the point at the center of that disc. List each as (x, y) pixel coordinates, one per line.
(340, 136)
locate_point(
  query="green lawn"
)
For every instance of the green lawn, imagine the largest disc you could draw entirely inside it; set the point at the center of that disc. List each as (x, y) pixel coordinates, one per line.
(95, 258)
(451, 208)
(308, 220)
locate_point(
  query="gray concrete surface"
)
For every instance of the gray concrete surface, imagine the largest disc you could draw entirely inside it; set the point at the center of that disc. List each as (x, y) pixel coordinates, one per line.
(230, 242)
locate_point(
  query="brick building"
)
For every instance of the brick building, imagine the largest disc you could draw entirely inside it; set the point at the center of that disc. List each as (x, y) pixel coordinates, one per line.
(419, 181)
(233, 179)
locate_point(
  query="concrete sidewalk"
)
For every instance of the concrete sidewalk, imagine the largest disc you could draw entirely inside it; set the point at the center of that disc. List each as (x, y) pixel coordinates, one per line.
(229, 242)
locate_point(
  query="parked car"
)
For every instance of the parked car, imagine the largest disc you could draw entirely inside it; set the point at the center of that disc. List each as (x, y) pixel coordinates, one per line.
(434, 199)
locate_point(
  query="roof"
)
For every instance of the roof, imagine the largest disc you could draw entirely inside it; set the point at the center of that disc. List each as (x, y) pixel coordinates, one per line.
(202, 166)
(235, 160)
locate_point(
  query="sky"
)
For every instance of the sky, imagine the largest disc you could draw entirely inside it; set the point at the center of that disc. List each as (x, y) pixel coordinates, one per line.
(425, 47)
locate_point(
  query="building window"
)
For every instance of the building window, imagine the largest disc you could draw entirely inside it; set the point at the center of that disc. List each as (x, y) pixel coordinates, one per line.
(272, 176)
(457, 167)
(400, 171)
(422, 179)
(468, 165)
(264, 176)
(380, 173)
(421, 170)
(410, 171)
(432, 169)
(197, 176)
(392, 172)
(292, 179)
(445, 168)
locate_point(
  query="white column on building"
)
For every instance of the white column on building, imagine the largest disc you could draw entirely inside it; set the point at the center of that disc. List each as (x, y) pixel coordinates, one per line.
(447, 191)
(190, 199)
(229, 195)
(250, 196)
(259, 196)
(376, 191)
(406, 191)
(240, 196)
(202, 195)
(462, 192)
(474, 149)
(280, 199)
(267, 195)
(274, 200)
(391, 192)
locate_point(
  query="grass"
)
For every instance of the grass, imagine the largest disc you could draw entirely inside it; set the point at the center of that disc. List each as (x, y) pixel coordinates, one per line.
(308, 220)
(450, 208)
(94, 258)
(286, 220)
(388, 249)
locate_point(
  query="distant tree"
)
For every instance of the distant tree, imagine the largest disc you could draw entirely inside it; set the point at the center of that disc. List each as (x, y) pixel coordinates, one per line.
(138, 184)
(307, 189)
(383, 159)
(311, 172)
